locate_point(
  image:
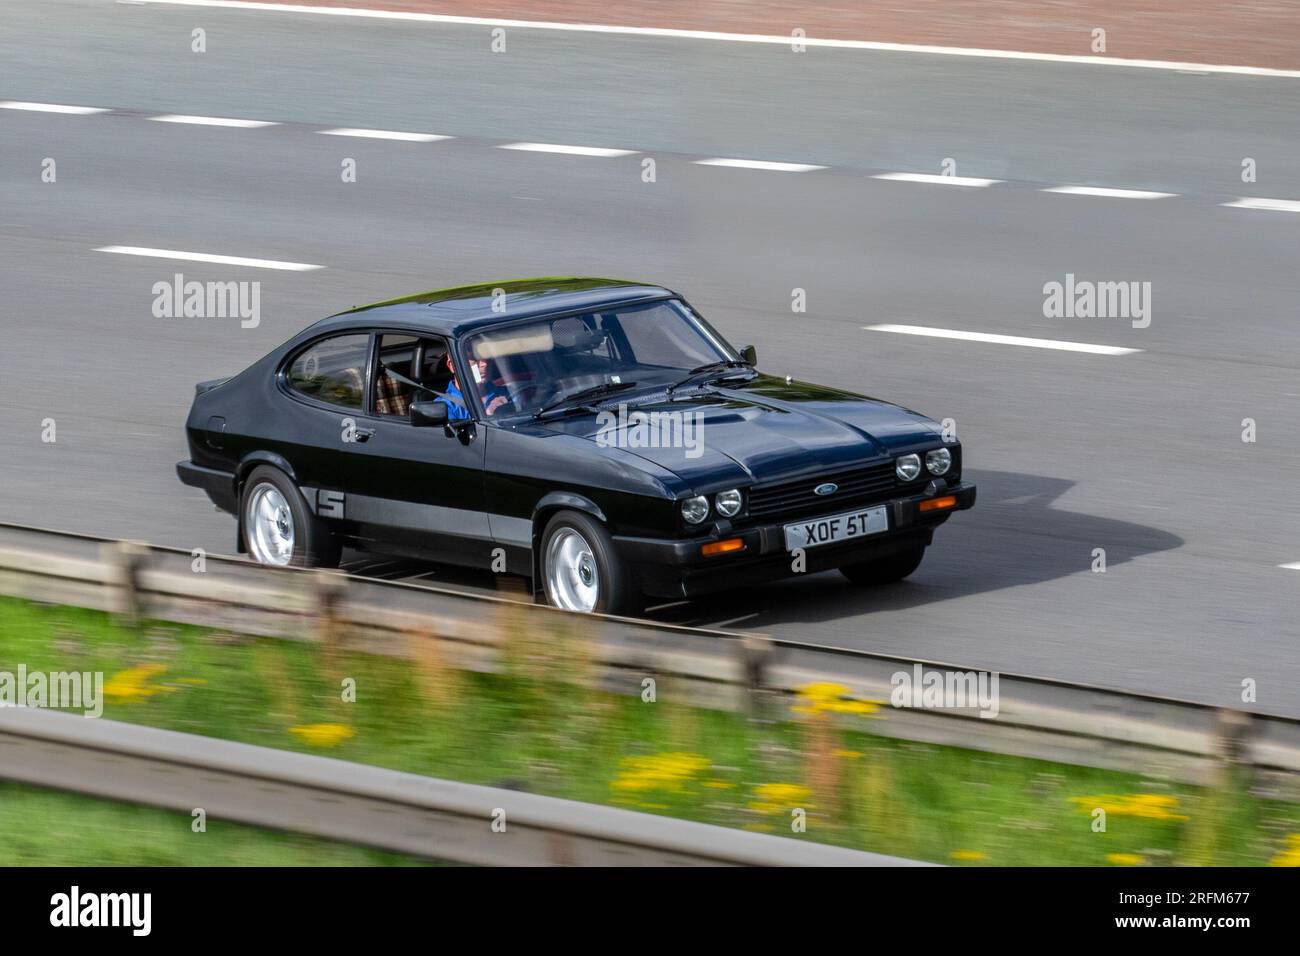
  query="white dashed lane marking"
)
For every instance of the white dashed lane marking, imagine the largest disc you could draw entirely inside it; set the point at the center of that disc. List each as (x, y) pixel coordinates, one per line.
(212, 121)
(1274, 205)
(1104, 192)
(1002, 339)
(1293, 566)
(385, 134)
(1107, 192)
(571, 150)
(208, 257)
(937, 180)
(52, 108)
(759, 164)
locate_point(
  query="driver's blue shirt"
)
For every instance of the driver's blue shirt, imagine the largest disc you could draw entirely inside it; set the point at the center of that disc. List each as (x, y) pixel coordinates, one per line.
(457, 411)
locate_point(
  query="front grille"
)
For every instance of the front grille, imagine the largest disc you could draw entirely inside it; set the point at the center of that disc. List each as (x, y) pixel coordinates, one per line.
(857, 486)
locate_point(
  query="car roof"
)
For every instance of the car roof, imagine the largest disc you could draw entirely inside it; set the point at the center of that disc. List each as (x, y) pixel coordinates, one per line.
(463, 309)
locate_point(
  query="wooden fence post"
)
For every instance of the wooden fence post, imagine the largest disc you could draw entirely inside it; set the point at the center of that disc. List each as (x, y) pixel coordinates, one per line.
(126, 559)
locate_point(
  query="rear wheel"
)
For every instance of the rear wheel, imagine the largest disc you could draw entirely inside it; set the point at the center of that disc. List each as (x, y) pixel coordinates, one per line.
(580, 569)
(886, 570)
(279, 529)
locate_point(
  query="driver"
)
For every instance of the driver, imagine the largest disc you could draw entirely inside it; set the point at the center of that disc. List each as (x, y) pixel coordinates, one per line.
(493, 397)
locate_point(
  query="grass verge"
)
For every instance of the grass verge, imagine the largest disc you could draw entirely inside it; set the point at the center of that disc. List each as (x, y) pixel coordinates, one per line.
(532, 727)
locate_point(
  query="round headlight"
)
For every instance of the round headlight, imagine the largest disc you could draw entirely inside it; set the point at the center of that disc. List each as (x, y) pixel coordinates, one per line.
(728, 503)
(908, 467)
(696, 509)
(938, 462)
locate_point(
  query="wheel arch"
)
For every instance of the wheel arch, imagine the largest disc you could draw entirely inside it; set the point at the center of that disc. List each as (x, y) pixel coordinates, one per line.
(255, 458)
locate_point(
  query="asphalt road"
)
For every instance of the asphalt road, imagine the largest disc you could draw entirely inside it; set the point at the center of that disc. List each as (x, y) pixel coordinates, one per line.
(1138, 454)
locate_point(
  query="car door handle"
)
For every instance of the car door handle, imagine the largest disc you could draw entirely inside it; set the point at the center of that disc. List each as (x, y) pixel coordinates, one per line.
(364, 434)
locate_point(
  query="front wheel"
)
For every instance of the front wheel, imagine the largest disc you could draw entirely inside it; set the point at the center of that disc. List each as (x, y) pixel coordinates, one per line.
(279, 529)
(580, 569)
(887, 570)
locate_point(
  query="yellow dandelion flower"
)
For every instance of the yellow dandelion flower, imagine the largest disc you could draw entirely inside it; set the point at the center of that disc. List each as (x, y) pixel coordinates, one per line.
(323, 735)
(967, 855)
(133, 684)
(1291, 855)
(663, 773)
(1146, 806)
(825, 697)
(1125, 859)
(847, 754)
(779, 797)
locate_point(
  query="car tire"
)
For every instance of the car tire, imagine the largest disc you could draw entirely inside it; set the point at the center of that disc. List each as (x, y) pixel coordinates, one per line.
(580, 570)
(278, 527)
(886, 570)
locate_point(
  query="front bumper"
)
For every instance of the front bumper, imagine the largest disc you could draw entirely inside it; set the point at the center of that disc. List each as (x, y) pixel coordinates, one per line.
(677, 568)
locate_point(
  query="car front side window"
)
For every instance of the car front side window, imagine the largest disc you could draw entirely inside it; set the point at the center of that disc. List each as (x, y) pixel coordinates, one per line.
(410, 369)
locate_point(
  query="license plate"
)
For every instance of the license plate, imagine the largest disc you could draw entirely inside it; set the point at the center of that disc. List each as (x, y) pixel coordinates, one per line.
(851, 524)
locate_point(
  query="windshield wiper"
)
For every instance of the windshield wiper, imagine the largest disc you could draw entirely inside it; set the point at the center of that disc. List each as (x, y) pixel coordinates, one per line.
(594, 391)
(708, 367)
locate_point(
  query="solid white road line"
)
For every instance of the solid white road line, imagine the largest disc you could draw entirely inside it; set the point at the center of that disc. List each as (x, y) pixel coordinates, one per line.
(759, 164)
(1275, 205)
(385, 134)
(51, 108)
(212, 121)
(736, 37)
(1108, 193)
(1002, 339)
(1293, 566)
(206, 257)
(937, 180)
(571, 150)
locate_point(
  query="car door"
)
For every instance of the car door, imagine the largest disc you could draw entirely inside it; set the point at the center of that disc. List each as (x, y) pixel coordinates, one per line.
(415, 490)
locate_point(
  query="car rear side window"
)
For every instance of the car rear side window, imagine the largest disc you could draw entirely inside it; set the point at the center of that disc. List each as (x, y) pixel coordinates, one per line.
(333, 370)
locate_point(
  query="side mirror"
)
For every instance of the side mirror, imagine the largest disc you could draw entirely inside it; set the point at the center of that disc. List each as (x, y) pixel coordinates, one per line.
(749, 354)
(429, 414)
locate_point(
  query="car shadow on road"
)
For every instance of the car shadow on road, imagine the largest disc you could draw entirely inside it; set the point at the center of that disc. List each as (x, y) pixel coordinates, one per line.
(1015, 535)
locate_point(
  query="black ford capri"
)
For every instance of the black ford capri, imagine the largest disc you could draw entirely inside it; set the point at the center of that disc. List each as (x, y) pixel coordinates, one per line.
(596, 436)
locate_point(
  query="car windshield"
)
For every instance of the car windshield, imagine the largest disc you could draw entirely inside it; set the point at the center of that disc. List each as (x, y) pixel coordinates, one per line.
(624, 349)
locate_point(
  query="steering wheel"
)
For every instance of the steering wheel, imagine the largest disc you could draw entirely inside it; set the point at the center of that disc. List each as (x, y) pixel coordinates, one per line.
(527, 392)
